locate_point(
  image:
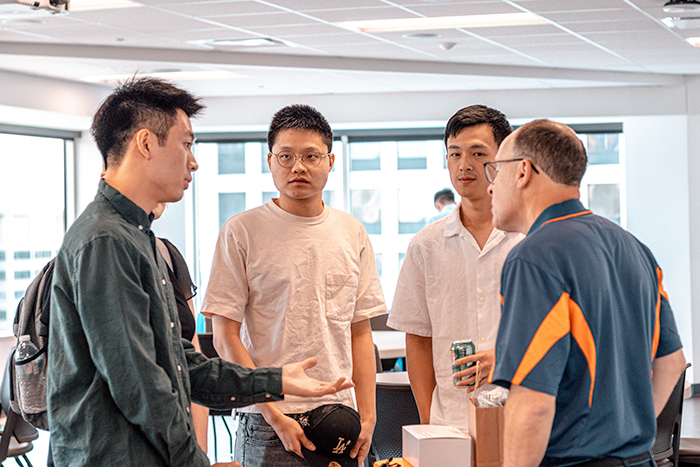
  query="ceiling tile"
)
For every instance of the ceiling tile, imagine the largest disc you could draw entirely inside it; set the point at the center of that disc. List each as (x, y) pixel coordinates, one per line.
(313, 5)
(362, 14)
(218, 8)
(267, 19)
(544, 6)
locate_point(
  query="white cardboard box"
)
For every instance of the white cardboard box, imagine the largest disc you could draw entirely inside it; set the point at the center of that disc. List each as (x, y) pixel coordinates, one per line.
(436, 446)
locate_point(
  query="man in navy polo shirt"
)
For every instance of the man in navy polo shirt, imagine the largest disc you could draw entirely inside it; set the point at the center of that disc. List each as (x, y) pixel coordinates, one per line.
(585, 319)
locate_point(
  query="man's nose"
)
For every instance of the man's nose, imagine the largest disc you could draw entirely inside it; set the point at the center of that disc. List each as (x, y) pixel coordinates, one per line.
(298, 165)
(192, 163)
(466, 163)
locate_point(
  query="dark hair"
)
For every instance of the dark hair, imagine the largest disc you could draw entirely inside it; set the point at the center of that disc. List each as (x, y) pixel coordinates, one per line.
(553, 147)
(300, 117)
(445, 195)
(136, 104)
(478, 115)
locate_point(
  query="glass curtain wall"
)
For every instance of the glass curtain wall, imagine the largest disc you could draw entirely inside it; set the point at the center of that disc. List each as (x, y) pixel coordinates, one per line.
(32, 213)
(386, 181)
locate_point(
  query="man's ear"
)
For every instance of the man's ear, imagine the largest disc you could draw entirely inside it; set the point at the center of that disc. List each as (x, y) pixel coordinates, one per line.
(143, 141)
(524, 174)
(331, 159)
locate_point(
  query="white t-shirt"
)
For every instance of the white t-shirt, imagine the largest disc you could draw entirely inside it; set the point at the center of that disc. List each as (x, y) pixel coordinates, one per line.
(296, 284)
(449, 289)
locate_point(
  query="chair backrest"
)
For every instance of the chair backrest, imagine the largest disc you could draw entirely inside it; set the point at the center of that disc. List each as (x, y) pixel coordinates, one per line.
(14, 424)
(668, 425)
(378, 323)
(377, 359)
(396, 407)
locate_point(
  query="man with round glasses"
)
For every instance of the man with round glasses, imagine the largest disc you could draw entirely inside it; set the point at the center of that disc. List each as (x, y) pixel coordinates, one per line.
(295, 277)
(450, 278)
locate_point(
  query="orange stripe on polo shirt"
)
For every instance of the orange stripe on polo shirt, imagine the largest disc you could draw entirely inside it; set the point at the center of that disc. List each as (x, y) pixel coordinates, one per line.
(564, 317)
(581, 332)
(553, 327)
(657, 317)
(576, 214)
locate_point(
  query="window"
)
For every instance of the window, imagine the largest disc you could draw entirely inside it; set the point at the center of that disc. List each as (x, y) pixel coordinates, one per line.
(385, 178)
(32, 209)
(602, 187)
(20, 275)
(23, 255)
(2, 275)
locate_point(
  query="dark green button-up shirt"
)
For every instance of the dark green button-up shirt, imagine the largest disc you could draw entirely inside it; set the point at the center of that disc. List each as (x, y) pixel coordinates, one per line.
(120, 378)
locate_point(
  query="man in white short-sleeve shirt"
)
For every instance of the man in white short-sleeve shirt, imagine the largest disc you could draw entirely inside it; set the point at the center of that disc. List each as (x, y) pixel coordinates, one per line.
(449, 284)
(295, 277)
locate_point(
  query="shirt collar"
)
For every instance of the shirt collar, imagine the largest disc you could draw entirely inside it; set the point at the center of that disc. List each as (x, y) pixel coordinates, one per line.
(560, 211)
(453, 222)
(454, 226)
(129, 211)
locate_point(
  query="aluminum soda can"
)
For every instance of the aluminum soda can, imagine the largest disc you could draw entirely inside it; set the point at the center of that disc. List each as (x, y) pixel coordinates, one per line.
(461, 349)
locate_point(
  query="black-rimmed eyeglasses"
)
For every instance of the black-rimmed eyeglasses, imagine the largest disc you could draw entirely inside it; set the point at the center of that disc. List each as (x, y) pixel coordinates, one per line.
(287, 159)
(491, 167)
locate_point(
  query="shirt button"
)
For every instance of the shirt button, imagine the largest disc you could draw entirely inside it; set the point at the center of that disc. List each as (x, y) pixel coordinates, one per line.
(483, 339)
(481, 258)
(140, 227)
(267, 396)
(233, 398)
(179, 368)
(481, 299)
(172, 325)
(163, 281)
(188, 409)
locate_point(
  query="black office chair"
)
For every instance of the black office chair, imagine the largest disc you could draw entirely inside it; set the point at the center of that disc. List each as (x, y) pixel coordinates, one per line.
(377, 359)
(17, 435)
(396, 407)
(206, 344)
(668, 427)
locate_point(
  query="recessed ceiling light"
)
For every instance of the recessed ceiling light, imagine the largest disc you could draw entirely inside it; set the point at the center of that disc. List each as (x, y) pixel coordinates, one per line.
(250, 42)
(88, 5)
(694, 41)
(681, 6)
(421, 35)
(444, 22)
(691, 22)
(169, 75)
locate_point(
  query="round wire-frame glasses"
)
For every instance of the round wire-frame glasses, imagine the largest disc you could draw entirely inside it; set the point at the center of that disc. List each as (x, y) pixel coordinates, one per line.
(288, 159)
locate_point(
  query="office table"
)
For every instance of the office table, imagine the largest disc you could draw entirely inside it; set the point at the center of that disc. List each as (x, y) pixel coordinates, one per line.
(393, 378)
(391, 344)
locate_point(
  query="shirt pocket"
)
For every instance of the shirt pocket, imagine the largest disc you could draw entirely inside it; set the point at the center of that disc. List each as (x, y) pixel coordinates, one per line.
(341, 292)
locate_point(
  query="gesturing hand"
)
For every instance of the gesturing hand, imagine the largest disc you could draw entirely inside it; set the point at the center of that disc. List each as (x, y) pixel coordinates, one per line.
(296, 382)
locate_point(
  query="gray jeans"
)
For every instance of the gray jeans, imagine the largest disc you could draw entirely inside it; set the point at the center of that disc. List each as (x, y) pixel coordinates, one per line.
(257, 445)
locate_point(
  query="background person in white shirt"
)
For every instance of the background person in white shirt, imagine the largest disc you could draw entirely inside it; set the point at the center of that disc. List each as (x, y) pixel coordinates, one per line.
(448, 288)
(444, 201)
(296, 277)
